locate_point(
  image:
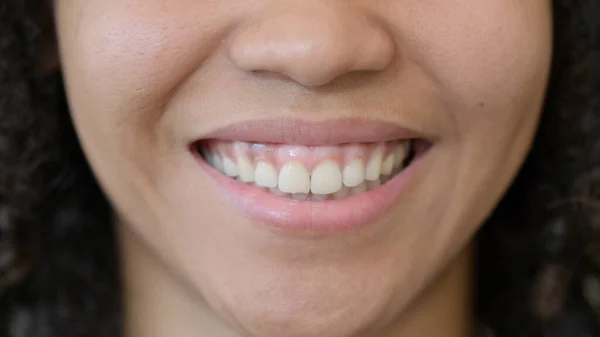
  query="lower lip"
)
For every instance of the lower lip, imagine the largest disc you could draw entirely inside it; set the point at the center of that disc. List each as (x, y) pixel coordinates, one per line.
(316, 216)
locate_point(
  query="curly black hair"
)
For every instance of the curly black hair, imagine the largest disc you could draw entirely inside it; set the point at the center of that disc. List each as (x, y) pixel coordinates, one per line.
(539, 253)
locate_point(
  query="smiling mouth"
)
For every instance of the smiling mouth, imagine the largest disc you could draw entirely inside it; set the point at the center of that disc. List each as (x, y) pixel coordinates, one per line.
(311, 173)
(298, 175)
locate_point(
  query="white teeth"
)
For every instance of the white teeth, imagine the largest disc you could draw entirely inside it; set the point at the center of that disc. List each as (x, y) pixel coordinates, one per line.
(354, 173)
(245, 169)
(400, 153)
(265, 175)
(218, 163)
(374, 167)
(231, 169)
(326, 178)
(327, 181)
(294, 178)
(388, 165)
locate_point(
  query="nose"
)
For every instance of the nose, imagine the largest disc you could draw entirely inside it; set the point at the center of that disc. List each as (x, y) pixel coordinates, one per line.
(312, 42)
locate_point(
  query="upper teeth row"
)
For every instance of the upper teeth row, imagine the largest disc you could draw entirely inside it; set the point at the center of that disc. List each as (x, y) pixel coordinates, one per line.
(326, 177)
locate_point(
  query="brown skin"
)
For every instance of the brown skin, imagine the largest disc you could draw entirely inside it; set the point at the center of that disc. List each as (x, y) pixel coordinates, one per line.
(145, 77)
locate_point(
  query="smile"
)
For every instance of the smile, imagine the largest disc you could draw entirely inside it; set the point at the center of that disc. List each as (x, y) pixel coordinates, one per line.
(310, 184)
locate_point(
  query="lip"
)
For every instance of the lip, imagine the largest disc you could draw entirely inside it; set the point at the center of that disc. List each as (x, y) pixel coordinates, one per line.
(312, 216)
(300, 132)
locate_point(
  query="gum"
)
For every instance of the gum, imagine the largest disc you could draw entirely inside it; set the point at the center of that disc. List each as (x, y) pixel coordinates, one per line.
(309, 156)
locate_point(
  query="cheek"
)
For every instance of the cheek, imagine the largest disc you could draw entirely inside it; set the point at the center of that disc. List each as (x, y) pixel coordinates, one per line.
(490, 59)
(121, 59)
(124, 58)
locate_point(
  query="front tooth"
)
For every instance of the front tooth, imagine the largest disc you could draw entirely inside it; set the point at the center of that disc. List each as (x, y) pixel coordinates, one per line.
(294, 178)
(400, 153)
(388, 165)
(326, 178)
(231, 169)
(354, 173)
(374, 167)
(245, 169)
(265, 175)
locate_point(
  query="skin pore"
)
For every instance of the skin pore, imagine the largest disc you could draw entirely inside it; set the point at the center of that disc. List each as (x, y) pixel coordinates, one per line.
(144, 78)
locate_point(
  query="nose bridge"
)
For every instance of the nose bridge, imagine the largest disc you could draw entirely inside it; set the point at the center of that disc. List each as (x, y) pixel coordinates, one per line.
(312, 42)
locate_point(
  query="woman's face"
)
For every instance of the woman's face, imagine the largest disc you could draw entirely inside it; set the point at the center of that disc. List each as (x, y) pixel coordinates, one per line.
(365, 141)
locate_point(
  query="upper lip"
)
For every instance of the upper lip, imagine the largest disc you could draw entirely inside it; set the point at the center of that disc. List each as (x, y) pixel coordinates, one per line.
(300, 132)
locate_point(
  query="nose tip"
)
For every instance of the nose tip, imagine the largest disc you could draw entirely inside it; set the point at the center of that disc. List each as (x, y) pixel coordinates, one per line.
(312, 45)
